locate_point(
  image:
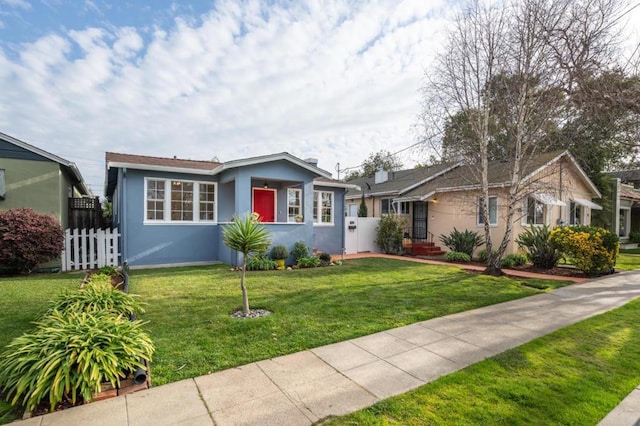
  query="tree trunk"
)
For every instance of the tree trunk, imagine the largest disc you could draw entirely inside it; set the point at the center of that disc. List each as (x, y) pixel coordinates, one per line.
(493, 270)
(245, 296)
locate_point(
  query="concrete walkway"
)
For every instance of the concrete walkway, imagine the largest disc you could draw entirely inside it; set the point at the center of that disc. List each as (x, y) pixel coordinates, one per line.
(304, 387)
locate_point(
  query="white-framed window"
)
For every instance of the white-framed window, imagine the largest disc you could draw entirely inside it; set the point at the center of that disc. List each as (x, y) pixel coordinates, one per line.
(294, 204)
(535, 211)
(172, 200)
(207, 201)
(155, 199)
(386, 206)
(352, 210)
(403, 207)
(493, 210)
(575, 214)
(181, 200)
(323, 207)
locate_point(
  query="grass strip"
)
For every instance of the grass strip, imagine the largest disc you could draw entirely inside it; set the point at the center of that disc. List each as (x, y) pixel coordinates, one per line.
(574, 376)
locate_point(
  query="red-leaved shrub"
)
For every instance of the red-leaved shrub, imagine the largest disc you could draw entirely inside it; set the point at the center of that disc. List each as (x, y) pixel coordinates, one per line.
(28, 239)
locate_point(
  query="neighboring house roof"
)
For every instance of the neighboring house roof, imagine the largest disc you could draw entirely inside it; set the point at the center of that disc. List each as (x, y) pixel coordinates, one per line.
(178, 165)
(398, 182)
(69, 165)
(632, 175)
(631, 194)
(499, 174)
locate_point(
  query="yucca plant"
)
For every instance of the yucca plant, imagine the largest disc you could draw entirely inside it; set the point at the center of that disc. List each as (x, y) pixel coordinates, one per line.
(540, 250)
(98, 295)
(69, 355)
(462, 242)
(247, 236)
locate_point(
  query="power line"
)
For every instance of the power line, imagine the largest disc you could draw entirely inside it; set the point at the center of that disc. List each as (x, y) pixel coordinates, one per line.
(390, 155)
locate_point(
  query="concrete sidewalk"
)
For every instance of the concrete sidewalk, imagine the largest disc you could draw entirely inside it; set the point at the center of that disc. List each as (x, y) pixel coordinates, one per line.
(302, 388)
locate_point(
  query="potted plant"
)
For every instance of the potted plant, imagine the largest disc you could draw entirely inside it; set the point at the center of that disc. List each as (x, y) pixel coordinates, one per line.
(298, 218)
(279, 253)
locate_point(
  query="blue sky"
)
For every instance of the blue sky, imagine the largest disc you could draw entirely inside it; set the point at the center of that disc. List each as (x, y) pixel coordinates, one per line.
(335, 80)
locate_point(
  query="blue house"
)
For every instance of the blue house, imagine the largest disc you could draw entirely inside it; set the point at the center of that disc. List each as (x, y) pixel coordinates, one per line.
(170, 211)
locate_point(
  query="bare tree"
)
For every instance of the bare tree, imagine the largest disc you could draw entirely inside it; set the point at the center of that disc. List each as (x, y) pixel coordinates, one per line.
(505, 73)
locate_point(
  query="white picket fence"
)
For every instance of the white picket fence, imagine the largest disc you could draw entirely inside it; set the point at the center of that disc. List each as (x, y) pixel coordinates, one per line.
(90, 249)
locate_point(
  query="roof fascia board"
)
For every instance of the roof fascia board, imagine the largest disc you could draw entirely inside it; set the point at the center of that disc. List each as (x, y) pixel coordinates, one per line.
(275, 157)
(117, 164)
(337, 185)
(430, 178)
(581, 172)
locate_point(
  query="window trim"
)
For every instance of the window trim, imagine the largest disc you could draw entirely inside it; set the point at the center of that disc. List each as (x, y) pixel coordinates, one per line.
(299, 207)
(545, 213)
(478, 212)
(572, 208)
(317, 208)
(167, 203)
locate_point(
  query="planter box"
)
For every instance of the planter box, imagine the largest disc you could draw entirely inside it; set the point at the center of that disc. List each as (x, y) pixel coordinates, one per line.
(127, 386)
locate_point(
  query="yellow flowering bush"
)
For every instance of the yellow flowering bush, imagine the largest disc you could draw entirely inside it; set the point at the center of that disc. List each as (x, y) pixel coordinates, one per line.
(592, 249)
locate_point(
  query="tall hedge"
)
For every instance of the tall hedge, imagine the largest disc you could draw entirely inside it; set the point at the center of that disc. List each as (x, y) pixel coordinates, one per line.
(28, 239)
(593, 250)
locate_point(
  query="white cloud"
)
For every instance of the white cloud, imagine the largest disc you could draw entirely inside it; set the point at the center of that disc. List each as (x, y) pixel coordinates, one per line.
(18, 4)
(322, 79)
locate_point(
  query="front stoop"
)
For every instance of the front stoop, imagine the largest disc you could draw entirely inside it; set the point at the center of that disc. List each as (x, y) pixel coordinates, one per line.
(423, 249)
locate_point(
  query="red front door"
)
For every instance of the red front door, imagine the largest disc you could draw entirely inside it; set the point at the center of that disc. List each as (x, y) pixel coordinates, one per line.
(264, 203)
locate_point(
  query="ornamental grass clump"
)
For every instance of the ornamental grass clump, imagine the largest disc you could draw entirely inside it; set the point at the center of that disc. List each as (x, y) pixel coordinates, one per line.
(96, 296)
(593, 250)
(69, 355)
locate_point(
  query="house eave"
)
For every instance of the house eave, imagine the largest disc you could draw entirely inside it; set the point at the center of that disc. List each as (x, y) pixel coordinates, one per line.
(149, 167)
(275, 157)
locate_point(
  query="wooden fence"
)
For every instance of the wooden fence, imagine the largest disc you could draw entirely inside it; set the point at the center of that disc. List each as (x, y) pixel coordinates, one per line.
(90, 249)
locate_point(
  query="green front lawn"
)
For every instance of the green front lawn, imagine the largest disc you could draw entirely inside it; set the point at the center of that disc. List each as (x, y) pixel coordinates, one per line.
(188, 308)
(574, 376)
(628, 260)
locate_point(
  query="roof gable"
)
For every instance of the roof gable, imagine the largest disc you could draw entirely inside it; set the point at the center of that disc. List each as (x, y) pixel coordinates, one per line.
(23, 147)
(464, 176)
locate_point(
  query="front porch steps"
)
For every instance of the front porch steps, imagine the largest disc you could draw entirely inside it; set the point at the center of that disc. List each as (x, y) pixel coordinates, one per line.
(423, 249)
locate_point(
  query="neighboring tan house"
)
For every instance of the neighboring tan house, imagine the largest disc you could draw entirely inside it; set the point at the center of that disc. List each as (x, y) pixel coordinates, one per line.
(33, 178)
(555, 191)
(169, 210)
(625, 203)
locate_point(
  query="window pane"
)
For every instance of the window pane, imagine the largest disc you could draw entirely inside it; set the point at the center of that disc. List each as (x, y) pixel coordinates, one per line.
(315, 207)
(155, 199)
(181, 200)
(294, 207)
(207, 201)
(493, 210)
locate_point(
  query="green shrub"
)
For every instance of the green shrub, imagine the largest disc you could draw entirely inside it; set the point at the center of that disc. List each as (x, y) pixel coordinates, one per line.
(108, 270)
(28, 239)
(457, 256)
(279, 252)
(308, 262)
(541, 251)
(325, 258)
(98, 295)
(69, 355)
(593, 250)
(512, 260)
(634, 237)
(483, 255)
(260, 262)
(389, 234)
(300, 249)
(463, 242)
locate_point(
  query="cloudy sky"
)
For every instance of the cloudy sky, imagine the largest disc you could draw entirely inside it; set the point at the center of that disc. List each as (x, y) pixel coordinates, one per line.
(335, 80)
